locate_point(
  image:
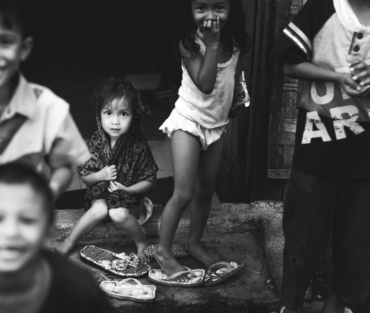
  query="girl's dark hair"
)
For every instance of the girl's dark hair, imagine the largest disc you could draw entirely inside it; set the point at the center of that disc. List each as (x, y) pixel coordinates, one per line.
(116, 88)
(239, 39)
(18, 14)
(15, 173)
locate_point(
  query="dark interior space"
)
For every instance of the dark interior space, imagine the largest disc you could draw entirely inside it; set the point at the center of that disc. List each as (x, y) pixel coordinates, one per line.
(78, 42)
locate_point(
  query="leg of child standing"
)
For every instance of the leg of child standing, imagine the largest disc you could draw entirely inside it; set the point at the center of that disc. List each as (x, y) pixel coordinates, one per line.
(209, 164)
(351, 249)
(308, 214)
(185, 158)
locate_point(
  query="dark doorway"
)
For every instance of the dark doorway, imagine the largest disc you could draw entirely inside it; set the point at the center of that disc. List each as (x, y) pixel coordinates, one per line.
(77, 42)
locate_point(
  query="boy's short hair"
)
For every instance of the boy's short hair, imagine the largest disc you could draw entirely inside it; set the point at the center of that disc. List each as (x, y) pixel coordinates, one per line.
(14, 173)
(18, 14)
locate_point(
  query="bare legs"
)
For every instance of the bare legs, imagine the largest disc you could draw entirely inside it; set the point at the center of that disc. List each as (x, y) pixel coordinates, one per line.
(97, 213)
(209, 164)
(194, 173)
(129, 224)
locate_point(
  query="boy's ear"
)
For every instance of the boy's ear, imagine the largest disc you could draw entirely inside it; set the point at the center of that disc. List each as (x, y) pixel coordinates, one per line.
(27, 46)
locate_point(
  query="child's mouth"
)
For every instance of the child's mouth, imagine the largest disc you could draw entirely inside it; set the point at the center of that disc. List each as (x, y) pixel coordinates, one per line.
(114, 129)
(11, 252)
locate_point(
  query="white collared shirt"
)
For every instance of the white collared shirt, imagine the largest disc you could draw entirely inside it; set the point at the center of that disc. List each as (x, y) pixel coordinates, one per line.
(49, 134)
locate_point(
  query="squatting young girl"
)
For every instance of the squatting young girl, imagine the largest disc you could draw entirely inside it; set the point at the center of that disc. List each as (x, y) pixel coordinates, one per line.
(122, 169)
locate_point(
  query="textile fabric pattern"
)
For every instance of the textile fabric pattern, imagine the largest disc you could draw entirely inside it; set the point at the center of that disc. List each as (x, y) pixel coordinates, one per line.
(132, 157)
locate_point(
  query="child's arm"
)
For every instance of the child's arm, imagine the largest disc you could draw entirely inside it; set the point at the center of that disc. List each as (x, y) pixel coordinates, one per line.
(136, 189)
(60, 179)
(310, 71)
(106, 173)
(203, 70)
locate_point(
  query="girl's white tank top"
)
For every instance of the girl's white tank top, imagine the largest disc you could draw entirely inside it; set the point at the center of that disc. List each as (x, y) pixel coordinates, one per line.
(208, 110)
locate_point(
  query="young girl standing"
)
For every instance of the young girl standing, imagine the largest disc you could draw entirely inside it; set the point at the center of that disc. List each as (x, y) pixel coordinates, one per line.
(122, 169)
(212, 36)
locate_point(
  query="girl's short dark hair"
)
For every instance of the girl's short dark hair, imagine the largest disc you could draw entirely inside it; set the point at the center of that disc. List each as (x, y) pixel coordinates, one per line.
(116, 88)
(239, 39)
(16, 173)
(18, 14)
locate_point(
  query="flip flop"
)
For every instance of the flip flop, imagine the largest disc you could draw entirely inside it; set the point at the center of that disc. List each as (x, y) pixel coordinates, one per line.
(129, 289)
(221, 271)
(178, 251)
(117, 263)
(160, 277)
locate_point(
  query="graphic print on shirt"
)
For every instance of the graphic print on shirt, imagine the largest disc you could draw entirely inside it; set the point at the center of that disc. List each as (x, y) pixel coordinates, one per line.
(328, 99)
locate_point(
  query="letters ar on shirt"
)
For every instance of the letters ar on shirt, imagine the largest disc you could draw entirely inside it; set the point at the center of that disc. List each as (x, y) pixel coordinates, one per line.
(334, 103)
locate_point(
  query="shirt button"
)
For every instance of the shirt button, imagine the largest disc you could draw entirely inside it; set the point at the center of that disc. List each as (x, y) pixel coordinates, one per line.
(356, 48)
(360, 36)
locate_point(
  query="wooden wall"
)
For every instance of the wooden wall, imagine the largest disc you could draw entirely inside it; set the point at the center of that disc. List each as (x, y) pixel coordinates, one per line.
(259, 144)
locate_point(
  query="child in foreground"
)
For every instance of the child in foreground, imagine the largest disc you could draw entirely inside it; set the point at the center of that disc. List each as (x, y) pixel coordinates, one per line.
(122, 169)
(212, 36)
(32, 279)
(327, 45)
(35, 125)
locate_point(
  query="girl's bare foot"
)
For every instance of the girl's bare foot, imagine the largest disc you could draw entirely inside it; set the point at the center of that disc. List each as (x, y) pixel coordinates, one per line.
(140, 252)
(205, 257)
(65, 247)
(169, 264)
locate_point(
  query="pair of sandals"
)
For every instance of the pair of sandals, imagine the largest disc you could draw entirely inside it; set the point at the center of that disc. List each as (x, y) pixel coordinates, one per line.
(214, 275)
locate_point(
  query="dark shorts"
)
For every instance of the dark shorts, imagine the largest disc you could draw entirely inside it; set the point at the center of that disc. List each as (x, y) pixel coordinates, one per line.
(315, 206)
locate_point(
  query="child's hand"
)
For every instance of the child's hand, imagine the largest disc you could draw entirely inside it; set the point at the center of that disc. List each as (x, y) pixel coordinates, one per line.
(360, 72)
(108, 172)
(115, 185)
(210, 33)
(349, 85)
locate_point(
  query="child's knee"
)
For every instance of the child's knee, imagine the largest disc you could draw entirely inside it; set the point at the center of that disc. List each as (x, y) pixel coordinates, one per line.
(119, 215)
(183, 199)
(99, 210)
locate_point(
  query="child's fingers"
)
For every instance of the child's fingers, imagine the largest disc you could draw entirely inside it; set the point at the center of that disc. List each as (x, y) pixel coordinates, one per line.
(365, 82)
(359, 67)
(216, 25)
(362, 75)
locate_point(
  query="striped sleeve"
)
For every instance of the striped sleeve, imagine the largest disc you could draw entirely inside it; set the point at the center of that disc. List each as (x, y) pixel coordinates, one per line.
(295, 43)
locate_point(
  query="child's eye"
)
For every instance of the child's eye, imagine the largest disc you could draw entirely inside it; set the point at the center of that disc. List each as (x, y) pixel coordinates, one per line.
(200, 8)
(220, 8)
(124, 114)
(5, 42)
(28, 220)
(107, 112)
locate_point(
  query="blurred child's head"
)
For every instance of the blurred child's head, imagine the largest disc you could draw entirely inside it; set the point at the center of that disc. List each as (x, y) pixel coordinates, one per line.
(26, 216)
(15, 39)
(232, 17)
(118, 106)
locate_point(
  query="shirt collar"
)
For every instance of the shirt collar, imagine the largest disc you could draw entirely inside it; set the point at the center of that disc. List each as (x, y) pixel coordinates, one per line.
(23, 101)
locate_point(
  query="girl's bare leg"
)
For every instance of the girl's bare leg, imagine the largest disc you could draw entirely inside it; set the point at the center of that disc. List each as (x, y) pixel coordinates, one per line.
(129, 224)
(185, 157)
(97, 213)
(209, 164)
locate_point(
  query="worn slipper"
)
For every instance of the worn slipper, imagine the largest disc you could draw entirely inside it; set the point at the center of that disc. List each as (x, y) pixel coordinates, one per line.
(195, 278)
(221, 271)
(129, 289)
(120, 264)
(178, 251)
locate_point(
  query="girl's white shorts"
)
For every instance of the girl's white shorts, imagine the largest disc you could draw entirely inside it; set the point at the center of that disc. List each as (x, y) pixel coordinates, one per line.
(178, 122)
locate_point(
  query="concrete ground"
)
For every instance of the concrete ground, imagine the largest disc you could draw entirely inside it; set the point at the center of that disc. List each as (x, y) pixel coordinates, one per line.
(246, 233)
